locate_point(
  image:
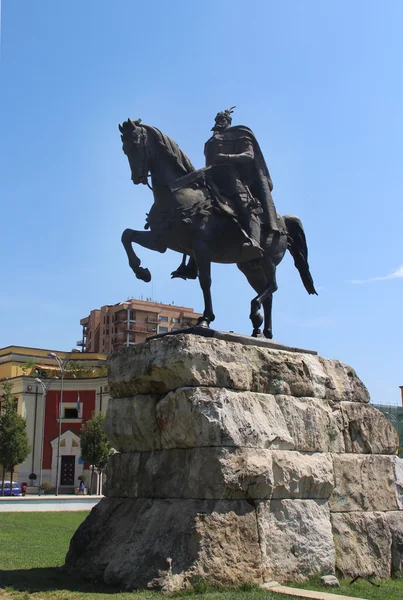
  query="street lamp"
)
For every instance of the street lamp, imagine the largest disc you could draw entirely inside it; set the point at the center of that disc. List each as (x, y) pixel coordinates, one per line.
(45, 388)
(62, 368)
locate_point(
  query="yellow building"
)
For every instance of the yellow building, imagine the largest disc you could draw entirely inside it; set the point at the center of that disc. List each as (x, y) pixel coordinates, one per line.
(16, 361)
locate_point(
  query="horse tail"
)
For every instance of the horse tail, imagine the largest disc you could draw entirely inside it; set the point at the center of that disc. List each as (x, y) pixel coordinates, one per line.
(296, 244)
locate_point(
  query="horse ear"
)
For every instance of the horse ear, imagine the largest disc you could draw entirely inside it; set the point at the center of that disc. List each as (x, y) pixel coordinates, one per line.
(120, 128)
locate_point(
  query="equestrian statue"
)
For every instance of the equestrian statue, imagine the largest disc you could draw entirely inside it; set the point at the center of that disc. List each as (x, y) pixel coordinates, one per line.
(222, 213)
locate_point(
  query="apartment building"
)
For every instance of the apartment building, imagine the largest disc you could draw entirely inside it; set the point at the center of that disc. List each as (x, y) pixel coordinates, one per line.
(113, 326)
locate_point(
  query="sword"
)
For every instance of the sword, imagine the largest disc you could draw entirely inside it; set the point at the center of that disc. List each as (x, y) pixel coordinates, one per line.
(193, 177)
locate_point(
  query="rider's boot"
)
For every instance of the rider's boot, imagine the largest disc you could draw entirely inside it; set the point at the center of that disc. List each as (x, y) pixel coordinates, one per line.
(251, 248)
(186, 271)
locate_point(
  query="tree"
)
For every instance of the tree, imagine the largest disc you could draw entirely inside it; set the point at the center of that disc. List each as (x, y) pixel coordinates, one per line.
(95, 447)
(14, 442)
(76, 368)
(28, 367)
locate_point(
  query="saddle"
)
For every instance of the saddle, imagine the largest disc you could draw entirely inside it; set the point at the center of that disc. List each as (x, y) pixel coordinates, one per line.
(216, 200)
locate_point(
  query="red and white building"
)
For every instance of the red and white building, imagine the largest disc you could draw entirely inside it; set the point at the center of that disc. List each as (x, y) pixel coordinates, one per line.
(81, 398)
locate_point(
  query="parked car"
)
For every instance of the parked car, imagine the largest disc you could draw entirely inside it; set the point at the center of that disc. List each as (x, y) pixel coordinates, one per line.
(16, 490)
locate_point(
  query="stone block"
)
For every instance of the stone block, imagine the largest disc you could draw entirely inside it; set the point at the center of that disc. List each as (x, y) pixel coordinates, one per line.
(197, 417)
(363, 483)
(297, 475)
(313, 424)
(131, 423)
(363, 544)
(367, 430)
(167, 543)
(296, 539)
(395, 523)
(219, 473)
(398, 473)
(165, 364)
(336, 381)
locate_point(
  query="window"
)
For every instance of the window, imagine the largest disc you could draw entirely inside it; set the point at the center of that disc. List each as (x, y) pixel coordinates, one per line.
(175, 320)
(165, 319)
(70, 413)
(163, 329)
(132, 315)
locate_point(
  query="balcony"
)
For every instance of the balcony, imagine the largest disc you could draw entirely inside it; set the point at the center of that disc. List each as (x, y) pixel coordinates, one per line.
(154, 319)
(139, 328)
(134, 328)
(120, 317)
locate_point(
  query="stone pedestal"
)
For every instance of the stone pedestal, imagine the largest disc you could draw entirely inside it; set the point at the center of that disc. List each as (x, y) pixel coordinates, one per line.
(240, 463)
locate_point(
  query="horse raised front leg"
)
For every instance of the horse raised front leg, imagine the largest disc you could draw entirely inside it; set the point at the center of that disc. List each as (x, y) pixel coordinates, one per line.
(201, 254)
(147, 239)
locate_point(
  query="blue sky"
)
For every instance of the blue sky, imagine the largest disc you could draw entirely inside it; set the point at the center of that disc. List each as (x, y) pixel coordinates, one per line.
(319, 83)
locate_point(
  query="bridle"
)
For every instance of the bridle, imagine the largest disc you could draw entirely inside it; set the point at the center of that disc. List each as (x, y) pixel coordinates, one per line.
(145, 173)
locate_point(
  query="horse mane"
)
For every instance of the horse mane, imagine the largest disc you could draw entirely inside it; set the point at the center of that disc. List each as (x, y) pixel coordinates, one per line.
(172, 149)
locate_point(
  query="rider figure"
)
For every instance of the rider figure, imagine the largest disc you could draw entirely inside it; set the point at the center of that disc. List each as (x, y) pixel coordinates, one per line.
(239, 171)
(227, 151)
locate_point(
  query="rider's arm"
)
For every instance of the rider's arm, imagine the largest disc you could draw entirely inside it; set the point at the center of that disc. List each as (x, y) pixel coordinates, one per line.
(243, 157)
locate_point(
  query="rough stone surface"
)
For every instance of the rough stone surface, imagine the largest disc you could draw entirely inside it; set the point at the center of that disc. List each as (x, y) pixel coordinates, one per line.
(220, 473)
(366, 431)
(313, 424)
(164, 543)
(398, 476)
(168, 363)
(131, 423)
(231, 459)
(330, 580)
(196, 417)
(365, 483)
(296, 539)
(297, 475)
(363, 544)
(395, 523)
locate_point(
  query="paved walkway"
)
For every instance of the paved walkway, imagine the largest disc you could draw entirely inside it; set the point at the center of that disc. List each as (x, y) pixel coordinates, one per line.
(47, 503)
(273, 586)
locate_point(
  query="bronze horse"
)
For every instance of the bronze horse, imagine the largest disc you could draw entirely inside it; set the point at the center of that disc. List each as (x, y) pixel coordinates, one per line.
(190, 222)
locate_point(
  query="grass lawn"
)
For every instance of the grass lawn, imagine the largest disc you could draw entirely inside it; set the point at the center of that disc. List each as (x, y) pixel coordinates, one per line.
(33, 547)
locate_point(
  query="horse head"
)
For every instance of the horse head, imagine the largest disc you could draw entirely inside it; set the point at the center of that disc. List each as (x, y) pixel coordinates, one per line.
(134, 145)
(149, 150)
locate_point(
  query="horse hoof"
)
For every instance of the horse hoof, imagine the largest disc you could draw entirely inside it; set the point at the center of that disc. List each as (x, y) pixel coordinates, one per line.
(143, 274)
(256, 333)
(268, 334)
(202, 322)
